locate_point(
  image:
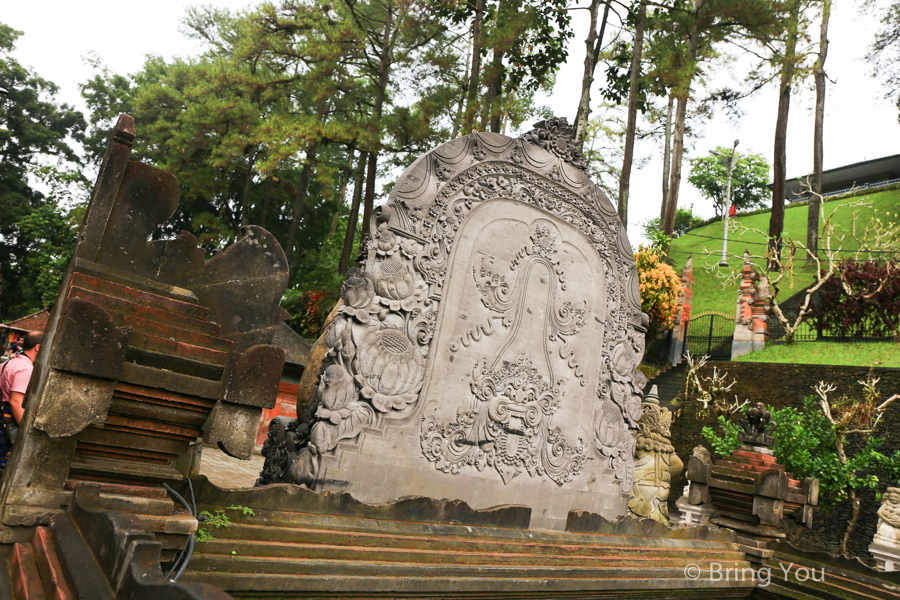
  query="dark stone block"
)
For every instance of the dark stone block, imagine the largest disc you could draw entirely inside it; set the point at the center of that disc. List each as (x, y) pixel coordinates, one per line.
(293, 498)
(89, 342)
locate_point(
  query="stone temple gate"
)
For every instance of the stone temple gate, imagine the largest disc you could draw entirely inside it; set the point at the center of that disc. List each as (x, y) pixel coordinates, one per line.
(487, 345)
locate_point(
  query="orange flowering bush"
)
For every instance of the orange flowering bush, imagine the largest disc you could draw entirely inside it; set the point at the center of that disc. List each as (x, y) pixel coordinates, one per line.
(660, 290)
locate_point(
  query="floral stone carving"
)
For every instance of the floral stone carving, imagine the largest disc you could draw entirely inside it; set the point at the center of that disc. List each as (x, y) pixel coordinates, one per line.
(488, 338)
(655, 462)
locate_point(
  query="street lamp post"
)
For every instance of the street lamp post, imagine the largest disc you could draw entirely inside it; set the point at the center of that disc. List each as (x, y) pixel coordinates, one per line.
(731, 160)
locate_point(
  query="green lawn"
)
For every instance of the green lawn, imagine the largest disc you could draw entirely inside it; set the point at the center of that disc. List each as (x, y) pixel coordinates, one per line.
(708, 291)
(866, 354)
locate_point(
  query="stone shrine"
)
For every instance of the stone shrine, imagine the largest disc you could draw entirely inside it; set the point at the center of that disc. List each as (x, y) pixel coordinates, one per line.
(487, 345)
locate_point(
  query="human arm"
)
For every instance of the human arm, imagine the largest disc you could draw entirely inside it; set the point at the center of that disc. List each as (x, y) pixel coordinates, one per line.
(15, 403)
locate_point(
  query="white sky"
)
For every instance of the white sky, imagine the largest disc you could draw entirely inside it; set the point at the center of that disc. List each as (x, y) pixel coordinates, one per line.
(859, 124)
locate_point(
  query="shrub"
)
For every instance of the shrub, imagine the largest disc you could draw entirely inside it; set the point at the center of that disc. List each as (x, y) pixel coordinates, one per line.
(868, 311)
(660, 289)
(308, 310)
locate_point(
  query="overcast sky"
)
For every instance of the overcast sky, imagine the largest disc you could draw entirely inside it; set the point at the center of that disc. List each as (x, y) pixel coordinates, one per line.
(859, 123)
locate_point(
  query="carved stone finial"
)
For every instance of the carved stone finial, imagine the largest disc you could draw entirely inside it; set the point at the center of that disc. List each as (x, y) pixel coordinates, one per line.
(557, 136)
(757, 424)
(652, 396)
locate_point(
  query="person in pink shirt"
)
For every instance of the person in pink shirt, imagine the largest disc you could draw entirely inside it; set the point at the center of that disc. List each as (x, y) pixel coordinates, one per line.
(14, 378)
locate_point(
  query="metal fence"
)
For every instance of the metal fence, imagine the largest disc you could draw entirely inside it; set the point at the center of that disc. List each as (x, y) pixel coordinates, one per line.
(711, 333)
(866, 186)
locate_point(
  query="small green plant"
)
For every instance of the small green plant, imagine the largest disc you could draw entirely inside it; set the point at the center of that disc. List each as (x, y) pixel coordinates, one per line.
(219, 519)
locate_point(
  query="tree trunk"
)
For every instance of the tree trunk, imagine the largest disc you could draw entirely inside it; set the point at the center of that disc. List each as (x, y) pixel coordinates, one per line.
(776, 221)
(667, 159)
(384, 69)
(633, 85)
(265, 203)
(472, 92)
(677, 155)
(248, 178)
(457, 122)
(682, 96)
(593, 43)
(300, 202)
(495, 92)
(854, 515)
(353, 219)
(812, 221)
(368, 204)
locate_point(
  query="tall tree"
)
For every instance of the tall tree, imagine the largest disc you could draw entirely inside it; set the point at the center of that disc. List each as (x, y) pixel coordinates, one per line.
(593, 43)
(667, 158)
(789, 60)
(634, 82)
(33, 229)
(812, 222)
(686, 37)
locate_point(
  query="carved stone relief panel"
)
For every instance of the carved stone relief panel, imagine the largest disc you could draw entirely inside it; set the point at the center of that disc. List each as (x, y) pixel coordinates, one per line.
(489, 337)
(514, 376)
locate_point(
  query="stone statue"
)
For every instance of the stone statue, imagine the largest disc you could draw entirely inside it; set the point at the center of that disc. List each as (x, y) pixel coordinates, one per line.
(487, 346)
(886, 545)
(655, 462)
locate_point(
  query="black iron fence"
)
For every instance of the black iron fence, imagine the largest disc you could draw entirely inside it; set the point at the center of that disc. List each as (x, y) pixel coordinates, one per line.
(711, 333)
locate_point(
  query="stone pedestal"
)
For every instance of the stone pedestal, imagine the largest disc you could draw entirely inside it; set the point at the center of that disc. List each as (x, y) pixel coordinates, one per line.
(676, 348)
(752, 494)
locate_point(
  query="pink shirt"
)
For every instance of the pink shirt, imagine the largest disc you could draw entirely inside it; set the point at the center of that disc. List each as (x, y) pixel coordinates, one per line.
(15, 377)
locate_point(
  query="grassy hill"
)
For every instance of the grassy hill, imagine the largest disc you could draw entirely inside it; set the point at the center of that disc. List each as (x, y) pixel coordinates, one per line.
(709, 293)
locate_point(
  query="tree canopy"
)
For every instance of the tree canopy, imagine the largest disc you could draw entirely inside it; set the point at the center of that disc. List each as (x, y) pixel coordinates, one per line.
(749, 180)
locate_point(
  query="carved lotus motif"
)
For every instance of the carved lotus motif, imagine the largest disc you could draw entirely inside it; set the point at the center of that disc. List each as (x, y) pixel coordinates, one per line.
(386, 243)
(357, 292)
(336, 390)
(397, 285)
(339, 340)
(389, 369)
(409, 248)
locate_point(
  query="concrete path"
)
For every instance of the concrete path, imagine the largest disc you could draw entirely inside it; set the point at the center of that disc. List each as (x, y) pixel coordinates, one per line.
(228, 472)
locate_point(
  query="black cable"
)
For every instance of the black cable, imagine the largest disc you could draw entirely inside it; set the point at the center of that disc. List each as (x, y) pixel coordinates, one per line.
(184, 556)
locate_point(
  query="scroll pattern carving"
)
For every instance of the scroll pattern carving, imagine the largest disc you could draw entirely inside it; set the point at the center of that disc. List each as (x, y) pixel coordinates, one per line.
(380, 341)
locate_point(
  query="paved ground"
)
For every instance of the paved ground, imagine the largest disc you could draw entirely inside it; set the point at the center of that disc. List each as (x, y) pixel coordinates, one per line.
(228, 472)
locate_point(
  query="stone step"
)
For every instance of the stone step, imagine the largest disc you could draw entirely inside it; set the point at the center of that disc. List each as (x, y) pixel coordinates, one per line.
(667, 585)
(132, 294)
(306, 567)
(302, 541)
(304, 527)
(438, 554)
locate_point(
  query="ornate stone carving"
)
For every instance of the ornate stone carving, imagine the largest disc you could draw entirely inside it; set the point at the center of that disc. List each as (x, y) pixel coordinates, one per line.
(655, 462)
(756, 426)
(557, 136)
(509, 429)
(395, 304)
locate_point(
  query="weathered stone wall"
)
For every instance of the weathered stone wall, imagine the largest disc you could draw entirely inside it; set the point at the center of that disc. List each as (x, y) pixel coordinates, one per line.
(781, 385)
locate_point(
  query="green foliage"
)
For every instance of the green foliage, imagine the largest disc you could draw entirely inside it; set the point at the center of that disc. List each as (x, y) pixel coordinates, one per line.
(34, 129)
(219, 519)
(709, 174)
(685, 220)
(805, 444)
(723, 445)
